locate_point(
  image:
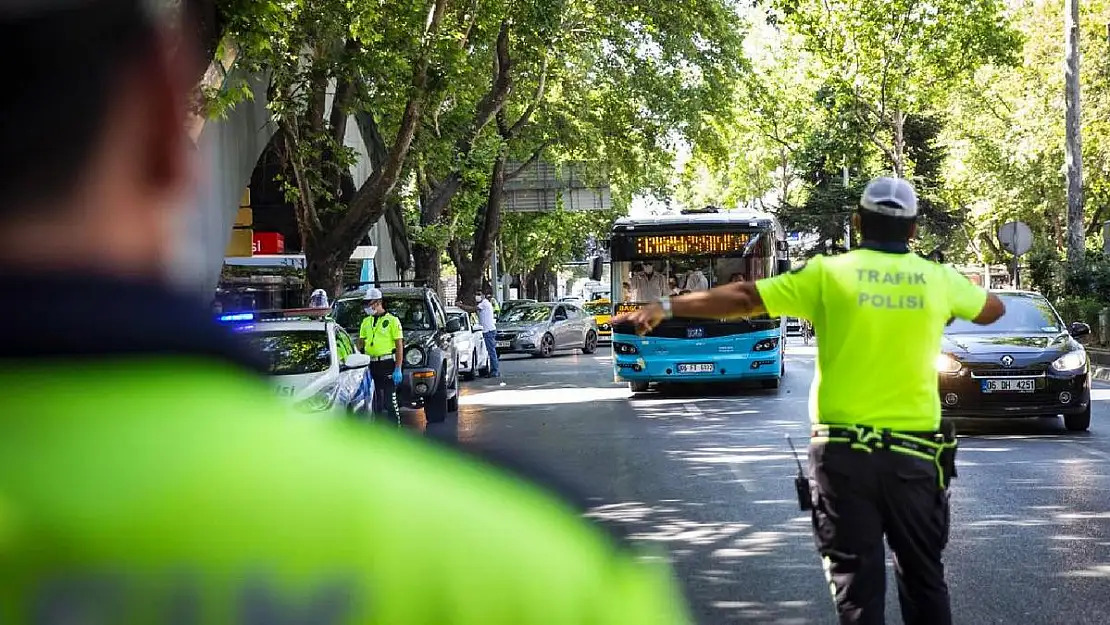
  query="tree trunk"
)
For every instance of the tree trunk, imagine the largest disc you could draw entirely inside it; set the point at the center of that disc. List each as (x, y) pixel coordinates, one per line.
(899, 144)
(470, 281)
(426, 263)
(1073, 146)
(323, 271)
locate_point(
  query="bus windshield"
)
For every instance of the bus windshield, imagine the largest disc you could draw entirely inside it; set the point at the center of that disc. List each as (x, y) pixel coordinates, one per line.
(646, 279)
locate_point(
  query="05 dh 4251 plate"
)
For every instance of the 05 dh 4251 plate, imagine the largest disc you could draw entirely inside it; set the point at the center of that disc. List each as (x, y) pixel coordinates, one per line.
(696, 367)
(1008, 385)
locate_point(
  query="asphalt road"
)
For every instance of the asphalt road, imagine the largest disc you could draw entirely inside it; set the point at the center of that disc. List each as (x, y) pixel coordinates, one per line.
(706, 475)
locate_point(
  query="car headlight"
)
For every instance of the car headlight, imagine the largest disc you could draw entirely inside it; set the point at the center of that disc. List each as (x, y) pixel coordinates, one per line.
(948, 364)
(1071, 361)
(320, 401)
(414, 356)
(527, 333)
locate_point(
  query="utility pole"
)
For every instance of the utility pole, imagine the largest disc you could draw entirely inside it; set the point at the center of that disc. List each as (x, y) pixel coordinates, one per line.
(848, 222)
(1073, 146)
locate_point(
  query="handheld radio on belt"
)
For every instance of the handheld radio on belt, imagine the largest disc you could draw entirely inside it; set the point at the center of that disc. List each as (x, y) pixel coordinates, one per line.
(801, 482)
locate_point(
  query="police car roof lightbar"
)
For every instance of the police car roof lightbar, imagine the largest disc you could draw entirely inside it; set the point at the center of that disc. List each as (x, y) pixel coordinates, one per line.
(287, 314)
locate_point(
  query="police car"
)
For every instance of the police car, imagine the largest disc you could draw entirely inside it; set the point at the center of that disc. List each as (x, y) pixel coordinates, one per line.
(312, 361)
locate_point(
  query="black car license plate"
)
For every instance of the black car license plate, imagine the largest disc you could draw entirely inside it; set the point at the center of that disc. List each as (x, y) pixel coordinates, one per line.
(1008, 385)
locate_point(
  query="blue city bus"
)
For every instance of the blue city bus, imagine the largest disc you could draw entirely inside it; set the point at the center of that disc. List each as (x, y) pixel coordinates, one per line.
(695, 250)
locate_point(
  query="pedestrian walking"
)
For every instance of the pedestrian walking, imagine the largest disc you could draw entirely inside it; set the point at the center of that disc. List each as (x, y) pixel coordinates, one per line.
(382, 339)
(880, 463)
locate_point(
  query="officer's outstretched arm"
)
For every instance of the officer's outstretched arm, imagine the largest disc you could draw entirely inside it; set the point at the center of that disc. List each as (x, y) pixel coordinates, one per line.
(728, 300)
(993, 309)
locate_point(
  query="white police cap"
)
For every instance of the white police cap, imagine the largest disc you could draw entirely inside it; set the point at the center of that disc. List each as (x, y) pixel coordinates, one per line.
(894, 197)
(372, 295)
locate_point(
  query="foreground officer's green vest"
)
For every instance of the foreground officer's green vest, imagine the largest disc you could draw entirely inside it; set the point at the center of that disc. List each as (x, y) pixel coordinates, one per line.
(177, 491)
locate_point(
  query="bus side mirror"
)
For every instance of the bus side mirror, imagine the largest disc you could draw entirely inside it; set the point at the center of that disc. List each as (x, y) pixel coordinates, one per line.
(783, 266)
(596, 268)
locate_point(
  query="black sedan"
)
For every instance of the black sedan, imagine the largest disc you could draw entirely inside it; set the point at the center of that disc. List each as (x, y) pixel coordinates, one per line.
(1026, 364)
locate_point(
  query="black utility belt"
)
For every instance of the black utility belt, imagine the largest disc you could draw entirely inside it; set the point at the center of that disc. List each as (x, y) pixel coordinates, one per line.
(936, 447)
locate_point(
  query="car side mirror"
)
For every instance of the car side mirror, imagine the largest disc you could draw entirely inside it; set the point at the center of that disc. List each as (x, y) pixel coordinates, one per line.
(1078, 329)
(453, 325)
(356, 361)
(783, 265)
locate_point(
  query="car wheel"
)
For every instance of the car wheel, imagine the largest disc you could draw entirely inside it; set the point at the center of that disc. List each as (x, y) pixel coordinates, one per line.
(638, 387)
(1078, 422)
(469, 375)
(435, 409)
(547, 346)
(590, 346)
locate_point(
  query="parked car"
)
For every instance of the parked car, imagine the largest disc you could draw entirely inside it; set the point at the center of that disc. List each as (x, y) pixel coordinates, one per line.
(312, 361)
(473, 357)
(431, 368)
(602, 311)
(1028, 363)
(543, 329)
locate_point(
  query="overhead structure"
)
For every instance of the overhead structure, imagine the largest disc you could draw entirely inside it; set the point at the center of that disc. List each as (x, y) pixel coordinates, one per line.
(542, 186)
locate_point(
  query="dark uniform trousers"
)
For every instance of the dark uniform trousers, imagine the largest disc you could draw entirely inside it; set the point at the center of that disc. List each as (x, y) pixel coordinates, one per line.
(858, 496)
(384, 401)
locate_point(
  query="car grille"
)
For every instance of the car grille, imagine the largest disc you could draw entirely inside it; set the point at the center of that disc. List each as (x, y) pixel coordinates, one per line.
(977, 372)
(506, 336)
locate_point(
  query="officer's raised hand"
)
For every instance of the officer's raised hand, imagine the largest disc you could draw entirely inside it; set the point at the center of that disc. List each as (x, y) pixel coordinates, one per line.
(731, 300)
(645, 319)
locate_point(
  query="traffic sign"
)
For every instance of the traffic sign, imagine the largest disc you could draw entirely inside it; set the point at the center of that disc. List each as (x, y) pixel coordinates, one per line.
(1015, 237)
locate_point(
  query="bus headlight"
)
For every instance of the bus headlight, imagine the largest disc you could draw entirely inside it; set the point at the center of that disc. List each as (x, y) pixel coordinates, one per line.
(766, 345)
(414, 356)
(1071, 361)
(625, 348)
(947, 364)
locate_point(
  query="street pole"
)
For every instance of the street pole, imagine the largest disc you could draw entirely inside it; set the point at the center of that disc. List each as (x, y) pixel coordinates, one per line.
(1073, 147)
(494, 282)
(848, 222)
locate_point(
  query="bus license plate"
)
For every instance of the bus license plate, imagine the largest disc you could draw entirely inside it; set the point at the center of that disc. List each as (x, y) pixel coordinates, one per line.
(698, 367)
(502, 343)
(1009, 385)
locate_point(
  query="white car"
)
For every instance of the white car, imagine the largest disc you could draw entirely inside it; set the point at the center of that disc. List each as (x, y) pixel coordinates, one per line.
(312, 362)
(473, 356)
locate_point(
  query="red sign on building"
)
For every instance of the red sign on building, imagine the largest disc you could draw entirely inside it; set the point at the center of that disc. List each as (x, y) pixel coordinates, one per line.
(268, 243)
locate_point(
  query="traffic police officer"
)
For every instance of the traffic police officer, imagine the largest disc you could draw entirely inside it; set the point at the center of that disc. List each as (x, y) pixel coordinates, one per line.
(878, 460)
(148, 474)
(381, 338)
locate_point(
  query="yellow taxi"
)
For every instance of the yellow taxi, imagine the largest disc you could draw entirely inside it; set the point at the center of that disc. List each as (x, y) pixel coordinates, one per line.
(602, 311)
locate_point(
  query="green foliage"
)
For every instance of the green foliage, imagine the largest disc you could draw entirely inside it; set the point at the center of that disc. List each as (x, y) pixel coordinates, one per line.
(553, 237)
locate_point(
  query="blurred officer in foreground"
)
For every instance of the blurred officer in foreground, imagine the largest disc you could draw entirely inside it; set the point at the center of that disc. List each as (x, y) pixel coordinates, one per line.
(381, 338)
(146, 474)
(879, 461)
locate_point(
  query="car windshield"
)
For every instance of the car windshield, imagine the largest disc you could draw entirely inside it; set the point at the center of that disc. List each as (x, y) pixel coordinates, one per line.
(458, 316)
(598, 308)
(293, 352)
(526, 314)
(1024, 315)
(412, 312)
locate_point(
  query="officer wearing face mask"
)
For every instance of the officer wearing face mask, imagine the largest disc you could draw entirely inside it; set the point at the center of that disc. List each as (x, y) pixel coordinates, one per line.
(380, 337)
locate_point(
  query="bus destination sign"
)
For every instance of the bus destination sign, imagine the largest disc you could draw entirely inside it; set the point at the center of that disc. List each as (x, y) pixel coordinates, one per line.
(668, 245)
(626, 307)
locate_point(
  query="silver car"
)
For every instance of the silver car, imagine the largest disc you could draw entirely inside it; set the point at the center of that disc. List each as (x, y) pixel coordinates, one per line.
(543, 329)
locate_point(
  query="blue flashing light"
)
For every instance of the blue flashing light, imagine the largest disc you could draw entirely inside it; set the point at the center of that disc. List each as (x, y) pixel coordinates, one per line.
(238, 317)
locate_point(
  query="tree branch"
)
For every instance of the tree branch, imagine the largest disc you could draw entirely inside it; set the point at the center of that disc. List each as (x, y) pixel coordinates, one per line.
(311, 226)
(345, 89)
(527, 114)
(531, 159)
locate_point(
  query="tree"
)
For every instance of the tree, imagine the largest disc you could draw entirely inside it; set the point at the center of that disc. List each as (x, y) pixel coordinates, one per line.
(888, 59)
(327, 60)
(601, 83)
